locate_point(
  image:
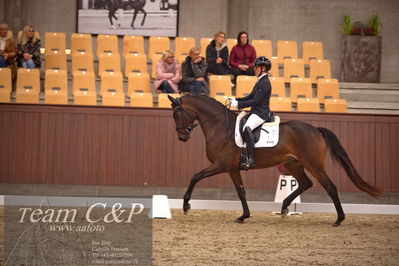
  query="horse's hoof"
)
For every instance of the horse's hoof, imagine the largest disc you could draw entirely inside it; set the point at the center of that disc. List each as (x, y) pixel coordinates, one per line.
(284, 213)
(336, 225)
(186, 208)
(239, 221)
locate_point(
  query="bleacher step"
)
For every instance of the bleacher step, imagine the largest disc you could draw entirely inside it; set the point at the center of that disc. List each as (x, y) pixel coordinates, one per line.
(370, 95)
(370, 86)
(374, 105)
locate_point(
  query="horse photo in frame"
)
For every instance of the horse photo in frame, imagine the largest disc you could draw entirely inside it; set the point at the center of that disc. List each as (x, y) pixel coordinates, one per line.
(128, 17)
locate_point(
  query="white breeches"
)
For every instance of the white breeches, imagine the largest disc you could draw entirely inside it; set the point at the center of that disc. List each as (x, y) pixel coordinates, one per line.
(253, 122)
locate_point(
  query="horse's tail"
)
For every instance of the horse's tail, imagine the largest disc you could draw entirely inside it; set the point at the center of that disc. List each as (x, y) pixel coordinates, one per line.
(339, 154)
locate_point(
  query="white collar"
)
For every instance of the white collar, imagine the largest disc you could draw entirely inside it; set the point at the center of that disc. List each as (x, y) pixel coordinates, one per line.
(261, 76)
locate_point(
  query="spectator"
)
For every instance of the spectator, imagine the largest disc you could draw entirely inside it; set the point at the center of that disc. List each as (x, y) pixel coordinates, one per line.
(7, 50)
(28, 49)
(217, 55)
(168, 74)
(194, 73)
(242, 57)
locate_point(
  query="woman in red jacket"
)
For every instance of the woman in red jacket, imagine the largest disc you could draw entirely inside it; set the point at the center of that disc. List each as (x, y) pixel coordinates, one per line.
(242, 57)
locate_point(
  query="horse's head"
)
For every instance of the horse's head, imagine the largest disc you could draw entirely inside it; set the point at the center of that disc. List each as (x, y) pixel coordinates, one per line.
(184, 119)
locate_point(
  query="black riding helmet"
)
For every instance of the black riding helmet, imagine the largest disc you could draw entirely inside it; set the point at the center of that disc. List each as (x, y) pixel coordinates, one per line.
(263, 61)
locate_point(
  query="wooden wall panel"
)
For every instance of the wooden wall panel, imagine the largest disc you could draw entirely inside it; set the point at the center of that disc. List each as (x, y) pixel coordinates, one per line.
(48, 144)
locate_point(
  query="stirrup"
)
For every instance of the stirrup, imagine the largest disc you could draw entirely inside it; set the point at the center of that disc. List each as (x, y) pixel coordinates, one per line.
(245, 163)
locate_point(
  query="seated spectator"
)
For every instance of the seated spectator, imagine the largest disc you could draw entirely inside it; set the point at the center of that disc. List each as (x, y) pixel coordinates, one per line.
(28, 48)
(194, 73)
(7, 50)
(242, 57)
(217, 55)
(168, 74)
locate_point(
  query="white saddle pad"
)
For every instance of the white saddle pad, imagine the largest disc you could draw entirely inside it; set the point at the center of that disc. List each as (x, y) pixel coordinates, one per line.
(269, 139)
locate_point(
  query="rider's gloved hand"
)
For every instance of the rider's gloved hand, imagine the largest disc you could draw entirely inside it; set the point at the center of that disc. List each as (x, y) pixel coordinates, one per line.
(233, 102)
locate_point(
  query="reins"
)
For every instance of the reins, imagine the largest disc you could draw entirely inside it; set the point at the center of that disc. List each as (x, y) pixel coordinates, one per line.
(188, 129)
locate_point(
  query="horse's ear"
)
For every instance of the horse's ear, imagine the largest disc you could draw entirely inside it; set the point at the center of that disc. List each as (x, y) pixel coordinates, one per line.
(174, 101)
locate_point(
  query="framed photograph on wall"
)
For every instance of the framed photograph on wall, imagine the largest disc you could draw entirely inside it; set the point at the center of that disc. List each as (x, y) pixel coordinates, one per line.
(129, 17)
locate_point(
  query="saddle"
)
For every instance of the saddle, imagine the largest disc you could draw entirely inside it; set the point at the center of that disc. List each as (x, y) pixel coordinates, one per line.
(266, 135)
(256, 132)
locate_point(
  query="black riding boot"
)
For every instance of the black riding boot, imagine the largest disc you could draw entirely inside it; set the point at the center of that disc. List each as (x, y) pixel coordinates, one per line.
(249, 151)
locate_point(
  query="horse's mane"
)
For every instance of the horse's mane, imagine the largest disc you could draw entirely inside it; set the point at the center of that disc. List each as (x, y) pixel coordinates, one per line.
(213, 102)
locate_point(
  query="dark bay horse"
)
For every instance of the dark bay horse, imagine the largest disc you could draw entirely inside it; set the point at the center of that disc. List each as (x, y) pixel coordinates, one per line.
(301, 146)
(137, 5)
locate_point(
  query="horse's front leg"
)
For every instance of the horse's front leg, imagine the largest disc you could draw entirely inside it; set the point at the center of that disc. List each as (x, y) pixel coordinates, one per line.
(134, 18)
(237, 180)
(144, 16)
(211, 170)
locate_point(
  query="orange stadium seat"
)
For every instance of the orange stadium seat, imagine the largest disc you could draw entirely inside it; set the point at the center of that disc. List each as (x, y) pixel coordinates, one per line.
(157, 45)
(55, 60)
(280, 104)
(335, 106)
(274, 71)
(319, 69)
(138, 82)
(204, 42)
(312, 50)
(220, 85)
(278, 86)
(81, 43)
(28, 85)
(5, 84)
(263, 47)
(56, 87)
(287, 49)
(327, 88)
(164, 102)
(231, 43)
(111, 97)
(141, 99)
(300, 88)
(133, 45)
(55, 41)
(83, 81)
(109, 62)
(82, 61)
(107, 44)
(245, 84)
(183, 45)
(111, 81)
(308, 105)
(84, 97)
(135, 63)
(293, 68)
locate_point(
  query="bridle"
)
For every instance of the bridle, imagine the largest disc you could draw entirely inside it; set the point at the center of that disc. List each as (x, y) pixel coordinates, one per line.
(187, 128)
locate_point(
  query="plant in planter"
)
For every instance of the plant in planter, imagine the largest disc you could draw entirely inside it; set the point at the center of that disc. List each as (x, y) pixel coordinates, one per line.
(361, 58)
(347, 25)
(374, 25)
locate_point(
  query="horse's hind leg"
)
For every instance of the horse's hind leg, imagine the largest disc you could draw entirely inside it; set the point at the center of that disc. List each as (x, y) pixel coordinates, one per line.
(331, 189)
(304, 183)
(237, 180)
(145, 15)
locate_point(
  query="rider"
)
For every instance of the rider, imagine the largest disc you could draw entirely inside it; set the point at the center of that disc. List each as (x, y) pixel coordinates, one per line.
(258, 100)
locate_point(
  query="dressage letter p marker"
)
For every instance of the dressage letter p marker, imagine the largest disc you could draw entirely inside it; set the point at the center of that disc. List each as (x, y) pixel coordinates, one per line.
(283, 183)
(293, 184)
